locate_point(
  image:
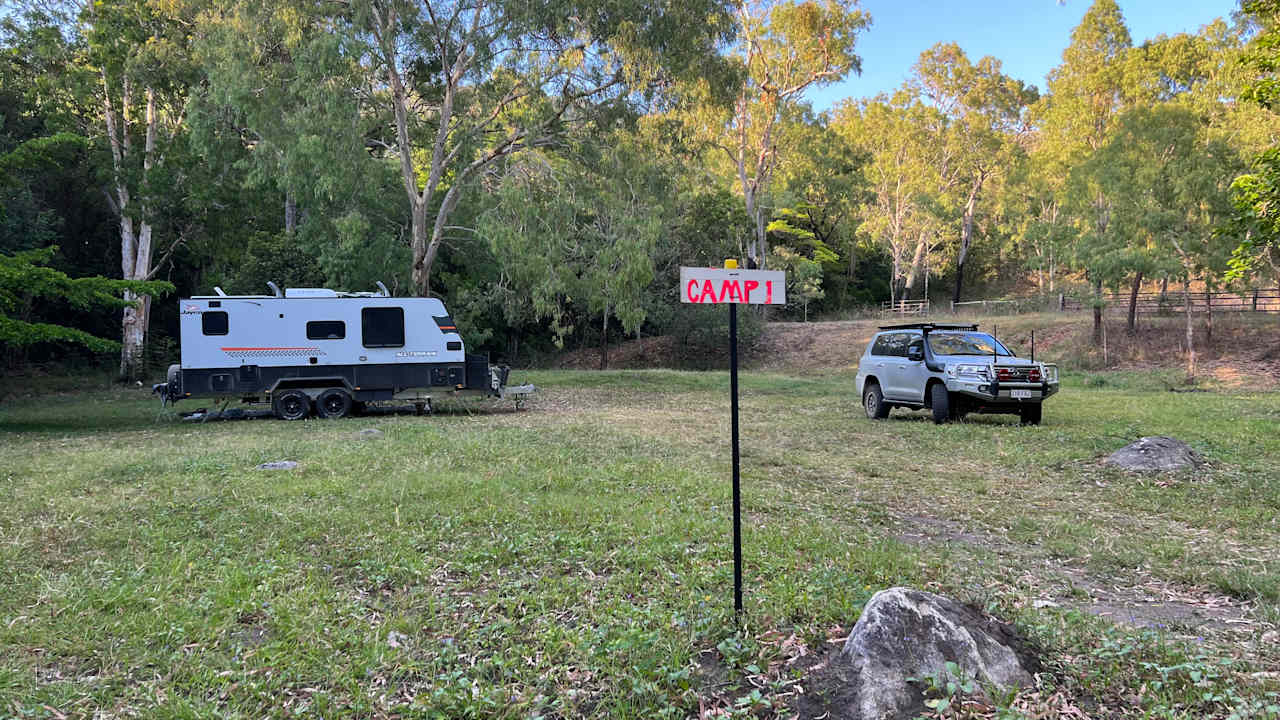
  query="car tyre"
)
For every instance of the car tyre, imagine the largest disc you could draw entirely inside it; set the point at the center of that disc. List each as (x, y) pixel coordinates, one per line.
(1029, 413)
(292, 405)
(333, 403)
(873, 402)
(940, 403)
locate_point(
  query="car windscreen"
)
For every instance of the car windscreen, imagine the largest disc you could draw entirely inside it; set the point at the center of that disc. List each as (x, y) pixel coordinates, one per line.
(964, 344)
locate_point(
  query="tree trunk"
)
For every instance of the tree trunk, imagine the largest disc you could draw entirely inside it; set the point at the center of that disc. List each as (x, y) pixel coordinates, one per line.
(135, 249)
(1097, 312)
(421, 268)
(604, 339)
(966, 234)
(290, 214)
(1133, 302)
(1208, 317)
(916, 263)
(1191, 349)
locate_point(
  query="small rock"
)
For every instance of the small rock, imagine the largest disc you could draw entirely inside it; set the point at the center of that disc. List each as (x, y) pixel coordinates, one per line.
(278, 465)
(397, 639)
(1155, 454)
(369, 434)
(904, 634)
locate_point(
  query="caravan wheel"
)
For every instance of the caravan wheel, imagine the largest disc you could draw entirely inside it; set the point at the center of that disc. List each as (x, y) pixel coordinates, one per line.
(333, 403)
(292, 405)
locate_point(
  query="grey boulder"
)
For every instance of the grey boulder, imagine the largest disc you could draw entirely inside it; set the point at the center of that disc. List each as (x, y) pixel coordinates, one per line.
(1155, 454)
(904, 635)
(278, 465)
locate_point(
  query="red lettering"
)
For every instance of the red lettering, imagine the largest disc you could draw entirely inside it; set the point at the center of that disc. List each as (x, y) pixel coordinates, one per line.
(729, 289)
(708, 291)
(691, 289)
(749, 285)
(768, 291)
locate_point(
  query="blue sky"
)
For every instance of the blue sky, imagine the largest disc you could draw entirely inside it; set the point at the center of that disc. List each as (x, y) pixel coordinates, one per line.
(1028, 36)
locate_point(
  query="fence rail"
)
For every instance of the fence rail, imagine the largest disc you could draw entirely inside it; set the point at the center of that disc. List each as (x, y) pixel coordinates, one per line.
(905, 307)
(1262, 300)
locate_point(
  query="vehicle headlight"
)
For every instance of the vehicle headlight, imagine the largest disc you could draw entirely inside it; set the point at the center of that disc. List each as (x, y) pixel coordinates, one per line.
(981, 372)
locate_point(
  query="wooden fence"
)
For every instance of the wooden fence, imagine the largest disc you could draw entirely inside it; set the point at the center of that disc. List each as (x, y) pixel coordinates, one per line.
(905, 307)
(1263, 300)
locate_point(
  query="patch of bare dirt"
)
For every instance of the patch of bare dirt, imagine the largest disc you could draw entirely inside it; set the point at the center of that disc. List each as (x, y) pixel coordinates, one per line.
(1140, 601)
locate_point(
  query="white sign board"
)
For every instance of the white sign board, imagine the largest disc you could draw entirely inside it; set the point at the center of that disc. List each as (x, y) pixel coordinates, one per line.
(708, 286)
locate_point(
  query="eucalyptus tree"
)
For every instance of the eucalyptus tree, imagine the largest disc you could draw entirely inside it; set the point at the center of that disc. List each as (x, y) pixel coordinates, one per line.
(468, 83)
(984, 121)
(579, 231)
(783, 49)
(894, 135)
(1168, 176)
(141, 51)
(824, 187)
(287, 87)
(1255, 195)
(1086, 95)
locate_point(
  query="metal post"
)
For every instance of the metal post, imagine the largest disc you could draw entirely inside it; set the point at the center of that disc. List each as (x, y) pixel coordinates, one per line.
(737, 494)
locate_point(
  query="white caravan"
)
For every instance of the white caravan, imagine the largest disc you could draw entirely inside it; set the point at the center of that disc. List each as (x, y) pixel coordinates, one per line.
(314, 349)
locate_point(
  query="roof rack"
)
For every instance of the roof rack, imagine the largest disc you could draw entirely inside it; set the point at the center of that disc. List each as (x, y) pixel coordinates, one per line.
(931, 326)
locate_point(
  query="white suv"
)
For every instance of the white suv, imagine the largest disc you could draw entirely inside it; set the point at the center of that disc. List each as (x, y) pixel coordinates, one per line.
(952, 370)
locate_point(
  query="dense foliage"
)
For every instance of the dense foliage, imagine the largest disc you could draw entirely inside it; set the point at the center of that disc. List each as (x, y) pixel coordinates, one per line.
(547, 169)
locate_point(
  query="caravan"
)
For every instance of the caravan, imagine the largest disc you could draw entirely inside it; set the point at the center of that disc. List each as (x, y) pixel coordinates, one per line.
(308, 350)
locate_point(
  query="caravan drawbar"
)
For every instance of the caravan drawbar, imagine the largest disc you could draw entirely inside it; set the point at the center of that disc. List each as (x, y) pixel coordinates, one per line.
(317, 350)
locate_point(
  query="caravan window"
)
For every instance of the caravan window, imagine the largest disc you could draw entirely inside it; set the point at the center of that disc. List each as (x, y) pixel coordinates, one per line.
(382, 327)
(214, 323)
(326, 330)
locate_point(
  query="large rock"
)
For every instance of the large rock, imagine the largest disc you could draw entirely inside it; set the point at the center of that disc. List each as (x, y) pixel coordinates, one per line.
(904, 634)
(1155, 454)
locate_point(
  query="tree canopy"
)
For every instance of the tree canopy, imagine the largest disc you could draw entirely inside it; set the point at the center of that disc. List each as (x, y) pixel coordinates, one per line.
(547, 168)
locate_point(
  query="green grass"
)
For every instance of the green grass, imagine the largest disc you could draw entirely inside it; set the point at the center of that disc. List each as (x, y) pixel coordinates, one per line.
(573, 560)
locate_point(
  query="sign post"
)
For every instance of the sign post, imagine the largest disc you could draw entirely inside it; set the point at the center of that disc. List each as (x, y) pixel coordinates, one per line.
(733, 287)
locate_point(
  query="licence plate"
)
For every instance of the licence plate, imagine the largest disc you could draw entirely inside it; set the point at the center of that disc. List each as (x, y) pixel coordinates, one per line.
(1024, 394)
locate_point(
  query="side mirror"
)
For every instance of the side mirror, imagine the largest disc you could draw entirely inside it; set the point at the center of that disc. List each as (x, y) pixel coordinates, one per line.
(915, 353)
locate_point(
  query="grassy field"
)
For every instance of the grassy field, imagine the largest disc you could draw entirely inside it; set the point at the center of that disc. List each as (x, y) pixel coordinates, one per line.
(574, 559)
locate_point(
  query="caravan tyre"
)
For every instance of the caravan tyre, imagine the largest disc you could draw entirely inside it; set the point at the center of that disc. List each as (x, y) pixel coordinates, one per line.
(333, 403)
(292, 405)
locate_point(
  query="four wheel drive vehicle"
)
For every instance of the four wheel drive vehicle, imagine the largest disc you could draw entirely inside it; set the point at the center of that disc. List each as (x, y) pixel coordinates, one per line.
(309, 350)
(952, 370)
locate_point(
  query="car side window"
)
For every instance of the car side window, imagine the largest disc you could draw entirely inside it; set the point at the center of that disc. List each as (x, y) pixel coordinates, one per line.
(896, 344)
(881, 345)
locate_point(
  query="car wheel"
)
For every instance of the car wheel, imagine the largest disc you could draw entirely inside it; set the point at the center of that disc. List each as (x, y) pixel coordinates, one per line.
(333, 403)
(873, 402)
(1029, 413)
(292, 405)
(940, 402)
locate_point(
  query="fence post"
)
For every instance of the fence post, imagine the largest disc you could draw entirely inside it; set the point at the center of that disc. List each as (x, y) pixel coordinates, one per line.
(1255, 299)
(953, 307)
(1062, 302)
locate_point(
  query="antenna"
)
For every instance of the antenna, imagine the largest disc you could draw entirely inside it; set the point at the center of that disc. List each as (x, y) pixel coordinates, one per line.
(275, 289)
(995, 331)
(1033, 346)
(383, 289)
